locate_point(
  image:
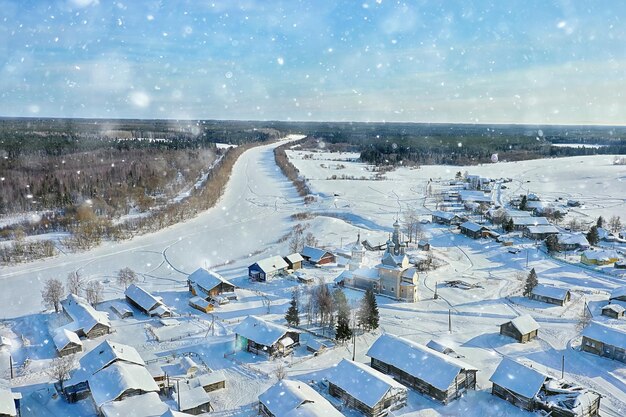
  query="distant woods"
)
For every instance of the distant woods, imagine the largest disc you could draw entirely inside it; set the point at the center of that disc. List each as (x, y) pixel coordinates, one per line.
(289, 169)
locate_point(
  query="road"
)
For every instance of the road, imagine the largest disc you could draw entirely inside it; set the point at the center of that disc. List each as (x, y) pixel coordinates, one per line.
(250, 217)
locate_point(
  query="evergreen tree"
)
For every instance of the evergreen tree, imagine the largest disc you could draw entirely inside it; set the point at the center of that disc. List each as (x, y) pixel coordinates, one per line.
(523, 203)
(343, 331)
(552, 243)
(600, 222)
(368, 314)
(531, 283)
(508, 226)
(293, 314)
(592, 236)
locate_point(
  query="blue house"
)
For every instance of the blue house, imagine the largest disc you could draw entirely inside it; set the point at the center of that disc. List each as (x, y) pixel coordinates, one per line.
(267, 268)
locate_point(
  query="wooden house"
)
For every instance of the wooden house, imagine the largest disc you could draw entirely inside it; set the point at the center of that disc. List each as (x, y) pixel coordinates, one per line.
(211, 381)
(146, 302)
(365, 389)
(522, 222)
(614, 311)
(599, 257)
(571, 242)
(192, 400)
(67, 342)
(523, 328)
(429, 372)
(474, 230)
(86, 320)
(550, 294)
(618, 294)
(446, 217)
(9, 401)
(317, 256)
(423, 245)
(267, 268)
(257, 336)
(532, 390)
(118, 381)
(210, 285)
(294, 261)
(540, 232)
(201, 304)
(605, 341)
(289, 398)
(121, 309)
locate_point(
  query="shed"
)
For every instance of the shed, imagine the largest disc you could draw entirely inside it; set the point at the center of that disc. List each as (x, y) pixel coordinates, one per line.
(210, 284)
(614, 311)
(288, 398)
(517, 383)
(146, 302)
(267, 268)
(550, 294)
(523, 328)
(211, 381)
(365, 389)
(121, 309)
(67, 342)
(521, 222)
(317, 256)
(259, 336)
(294, 261)
(201, 304)
(423, 245)
(432, 373)
(604, 341)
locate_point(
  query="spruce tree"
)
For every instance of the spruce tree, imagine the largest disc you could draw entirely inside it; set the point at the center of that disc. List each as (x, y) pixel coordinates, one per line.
(368, 314)
(600, 222)
(343, 331)
(531, 283)
(592, 236)
(293, 314)
(523, 204)
(552, 243)
(509, 226)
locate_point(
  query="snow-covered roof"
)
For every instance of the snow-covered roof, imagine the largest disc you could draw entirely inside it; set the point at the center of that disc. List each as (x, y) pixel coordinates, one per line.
(343, 276)
(572, 239)
(440, 346)
(362, 382)
(314, 410)
(314, 254)
(7, 400)
(208, 379)
(366, 273)
(614, 307)
(542, 228)
(84, 316)
(143, 298)
(192, 397)
(518, 378)
(430, 366)
(530, 221)
(618, 293)
(601, 255)
(199, 301)
(550, 292)
(207, 280)
(107, 353)
(285, 396)
(121, 308)
(272, 264)
(110, 383)
(63, 337)
(471, 195)
(525, 324)
(294, 257)
(261, 331)
(144, 405)
(444, 214)
(471, 226)
(606, 335)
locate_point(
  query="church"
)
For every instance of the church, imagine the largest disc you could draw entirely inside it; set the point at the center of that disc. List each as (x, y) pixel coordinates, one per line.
(393, 276)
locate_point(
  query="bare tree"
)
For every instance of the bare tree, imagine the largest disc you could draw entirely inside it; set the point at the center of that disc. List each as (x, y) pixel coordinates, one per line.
(94, 292)
(499, 217)
(53, 293)
(411, 222)
(324, 302)
(280, 372)
(60, 369)
(615, 224)
(310, 240)
(574, 225)
(75, 283)
(584, 318)
(126, 277)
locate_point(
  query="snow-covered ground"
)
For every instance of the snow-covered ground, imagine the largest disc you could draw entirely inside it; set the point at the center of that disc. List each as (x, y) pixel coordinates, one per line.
(248, 224)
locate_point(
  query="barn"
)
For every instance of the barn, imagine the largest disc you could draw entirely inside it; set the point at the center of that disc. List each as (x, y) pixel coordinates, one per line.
(289, 398)
(550, 294)
(146, 302)
(365, 389)
(210, 285)
(516, 383)
(256, 335)
(523, 328)
(67, 342)
(429, 372)
(317, 256)
(604, 341)
(267, 268)
(294, 261)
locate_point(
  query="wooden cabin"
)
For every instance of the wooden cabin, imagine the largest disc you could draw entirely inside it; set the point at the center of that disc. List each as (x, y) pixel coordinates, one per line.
(540, 232)
(88, 322)
(294, 261)
(365, 389)
(604, 341)
(517, 384)
(423, 245)
(122, 309)
(550, 294)
(294, 398)
(201, 304)
(614, 311)
(618, 294)
(210, 285)
(67, 342)
(146, 302)
(193, 400)
(474, 230)
(446, 217)
(429, 372)
(317, 256)
(258, 336)
(523, 328)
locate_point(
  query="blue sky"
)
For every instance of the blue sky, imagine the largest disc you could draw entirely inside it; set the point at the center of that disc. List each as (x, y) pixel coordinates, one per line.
(423, 61)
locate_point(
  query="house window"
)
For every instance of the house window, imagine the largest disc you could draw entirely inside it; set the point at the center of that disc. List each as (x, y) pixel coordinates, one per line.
(590, 343)
(384, 287)
(392, 289)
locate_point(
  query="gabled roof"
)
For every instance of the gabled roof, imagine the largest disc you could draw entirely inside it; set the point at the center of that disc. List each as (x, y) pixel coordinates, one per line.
(207, 280)
(440, 346)
(530, 221)
(269, 265)
(107, 353)
(261, 331)
(474, 227)
(525, 324)
(63, 337)
(444, 214)
(542, 228)
(614, 307)
(550, 292)
(144, 405)
(430, 366)
(605, 334)
(618, 292)
(518, 378)
(362, 382)
(314, 254)
(143, 298)
(294, 257)
(192, 397)
(601, 255)
(110, 383)
(7, 400)
(84, 316)
(295, 398)
(572, 239)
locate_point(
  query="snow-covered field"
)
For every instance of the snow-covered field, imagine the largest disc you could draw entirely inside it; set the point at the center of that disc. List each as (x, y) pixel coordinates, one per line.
(248, 224)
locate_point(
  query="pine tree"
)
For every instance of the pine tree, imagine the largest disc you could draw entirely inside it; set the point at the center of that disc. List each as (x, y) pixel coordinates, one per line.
(592, 236)
(523, 204)
(531, 283)
(293, 314)
(368, 314)
(508, 226)
(343, 331)
(552, 243)
(600, 222)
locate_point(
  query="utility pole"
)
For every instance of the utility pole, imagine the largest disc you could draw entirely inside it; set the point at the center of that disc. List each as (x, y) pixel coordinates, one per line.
(178, 392)
(11, 364)
(526, 257)
(353, 342)
(212, 324)
(562, 366)
(450, 320)
(436, 296)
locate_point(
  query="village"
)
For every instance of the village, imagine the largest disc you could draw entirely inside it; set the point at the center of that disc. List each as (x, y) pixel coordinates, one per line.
(402, 311)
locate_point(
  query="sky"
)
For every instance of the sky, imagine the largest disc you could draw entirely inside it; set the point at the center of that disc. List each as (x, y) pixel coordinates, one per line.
(539, 62)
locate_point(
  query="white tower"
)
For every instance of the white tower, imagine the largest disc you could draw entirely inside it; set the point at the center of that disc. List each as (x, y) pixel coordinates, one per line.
(357, 253)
